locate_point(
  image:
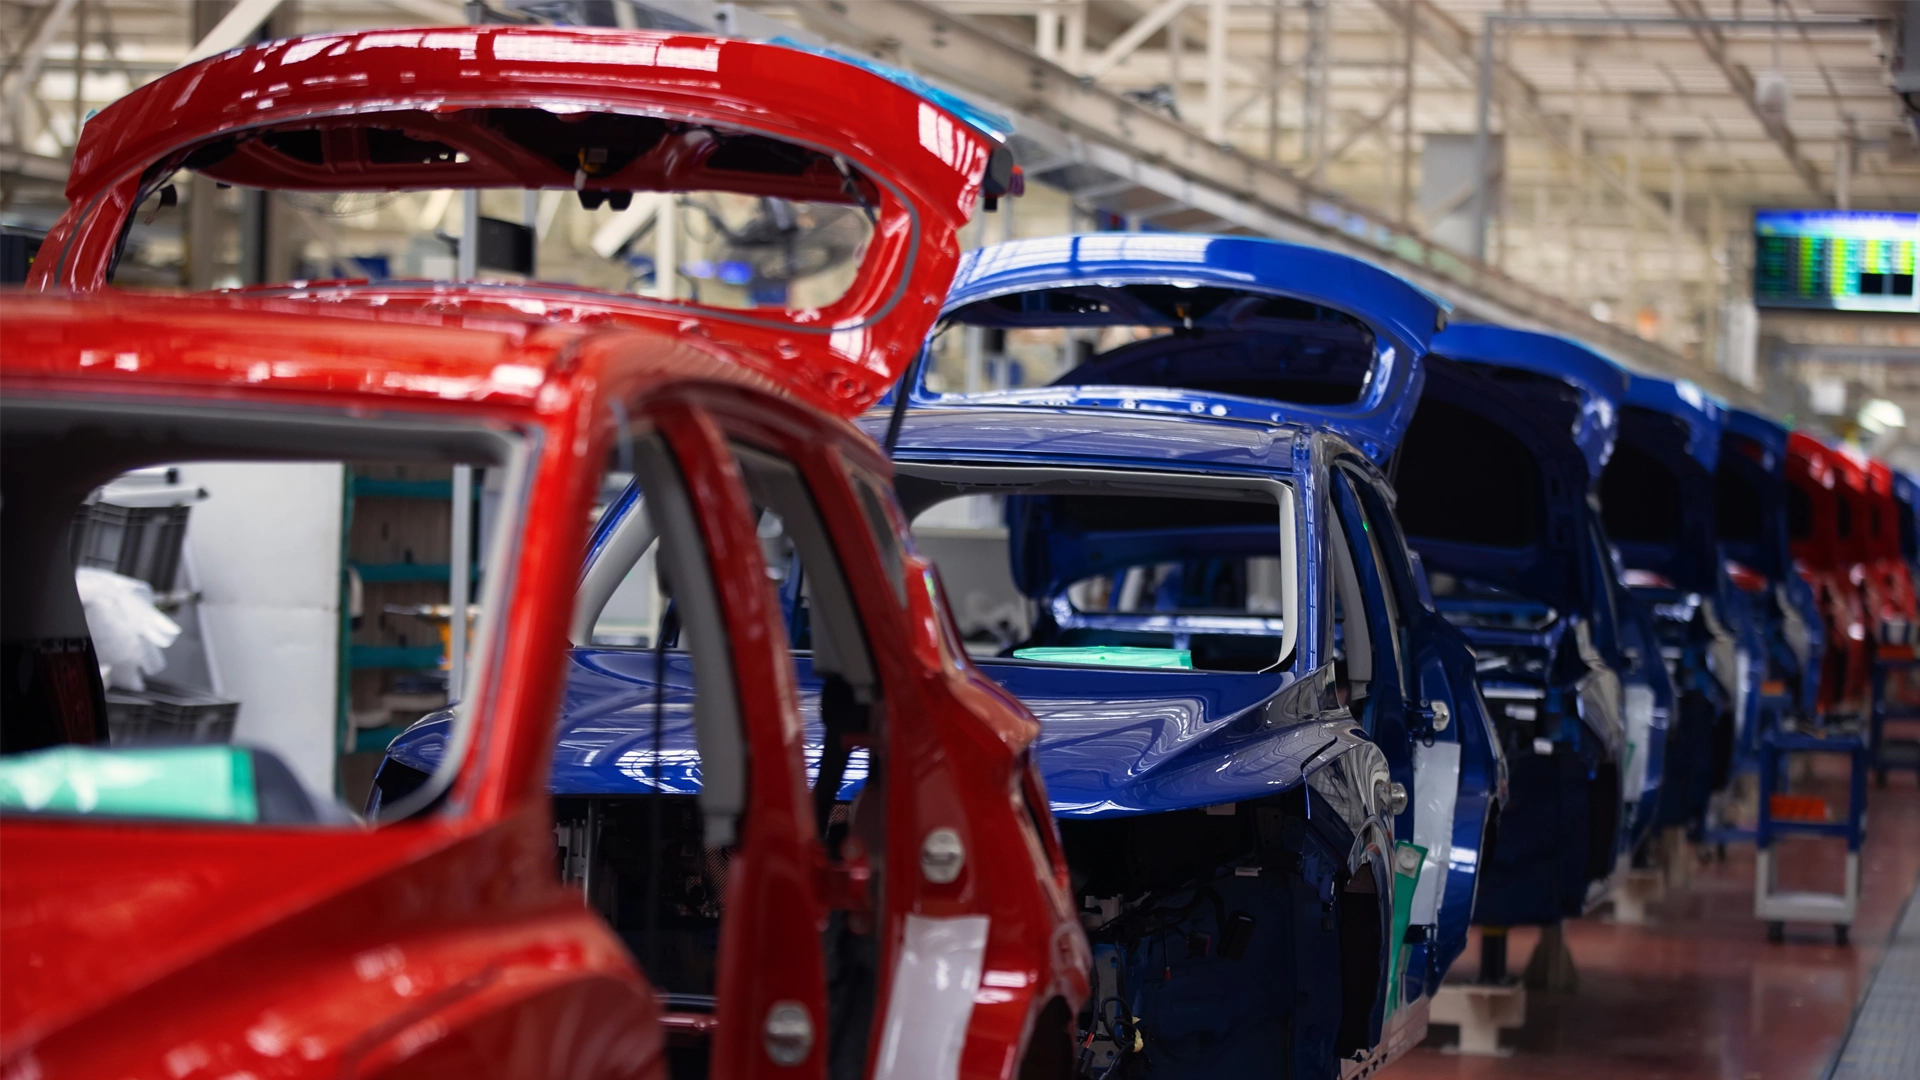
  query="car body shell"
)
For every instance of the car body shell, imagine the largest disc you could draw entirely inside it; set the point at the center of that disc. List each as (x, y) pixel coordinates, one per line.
(1109, 745)
(1781, 601)
(1707, 628)
(1096, 418)
(836, 359)
(1887, 562)
(1563, 401)
(1830, 490)
(425, 77)
(1400, 316)
(1187, 739)
(494, 951)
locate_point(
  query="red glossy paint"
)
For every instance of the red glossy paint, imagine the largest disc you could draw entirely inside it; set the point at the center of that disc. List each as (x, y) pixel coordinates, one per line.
(1834, 489)
(1887, 568)
(448, 948)
(957, 743)
(954, 753)
(925, 166)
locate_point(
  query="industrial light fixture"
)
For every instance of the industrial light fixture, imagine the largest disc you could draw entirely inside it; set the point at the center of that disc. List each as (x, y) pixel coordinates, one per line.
(1772, 97)
(1880, 416)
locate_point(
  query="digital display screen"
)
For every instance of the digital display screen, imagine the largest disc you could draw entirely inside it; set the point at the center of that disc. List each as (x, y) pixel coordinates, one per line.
(1836, 260)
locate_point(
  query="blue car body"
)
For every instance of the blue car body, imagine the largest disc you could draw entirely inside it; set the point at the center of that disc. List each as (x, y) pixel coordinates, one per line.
(1132, 750)
(1569, 664)
(1009, 286)
(1658, 497)
(1346, 333)
(1751, 518)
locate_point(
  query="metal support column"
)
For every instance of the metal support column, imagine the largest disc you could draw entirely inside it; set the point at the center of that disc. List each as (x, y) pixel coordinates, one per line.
(1634, 218)
(1676, 221)
(1482, 139)
(1407, 79)
(1217, 70)
(1313, 102)
(1273, 88)
(1074, 53)
(79, 69)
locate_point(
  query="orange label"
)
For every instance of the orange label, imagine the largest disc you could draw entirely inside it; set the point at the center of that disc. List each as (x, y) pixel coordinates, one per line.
(1797, 808)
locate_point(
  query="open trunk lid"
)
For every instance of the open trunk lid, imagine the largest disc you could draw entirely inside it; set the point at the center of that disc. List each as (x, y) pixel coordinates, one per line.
(1334, 341)
(602, 113)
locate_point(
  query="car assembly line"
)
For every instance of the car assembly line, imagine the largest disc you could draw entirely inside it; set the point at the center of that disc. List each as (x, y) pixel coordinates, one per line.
(715, 613)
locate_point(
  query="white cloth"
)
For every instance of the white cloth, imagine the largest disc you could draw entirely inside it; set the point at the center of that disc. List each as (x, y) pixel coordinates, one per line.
(128, 631)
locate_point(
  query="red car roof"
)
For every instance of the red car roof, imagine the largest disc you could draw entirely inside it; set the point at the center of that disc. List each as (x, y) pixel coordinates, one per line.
(261, 346)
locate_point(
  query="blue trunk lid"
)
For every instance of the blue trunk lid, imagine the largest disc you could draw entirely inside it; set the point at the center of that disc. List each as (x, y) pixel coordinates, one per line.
(1206, 293)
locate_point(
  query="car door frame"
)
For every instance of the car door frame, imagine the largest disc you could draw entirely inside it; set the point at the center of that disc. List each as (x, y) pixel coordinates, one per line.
(1442, 667)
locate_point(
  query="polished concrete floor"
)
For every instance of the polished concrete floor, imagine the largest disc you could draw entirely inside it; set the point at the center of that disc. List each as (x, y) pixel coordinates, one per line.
(1699, 992)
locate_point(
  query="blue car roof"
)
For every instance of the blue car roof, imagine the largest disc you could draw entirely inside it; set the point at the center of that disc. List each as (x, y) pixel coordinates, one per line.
(1681, 399)
(1402, 317)
(1098, 434)
(1601, 383)
(1771, 434)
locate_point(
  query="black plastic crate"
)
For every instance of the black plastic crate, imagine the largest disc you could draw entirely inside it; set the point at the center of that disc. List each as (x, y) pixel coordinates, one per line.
(167, 714)
(138, 541)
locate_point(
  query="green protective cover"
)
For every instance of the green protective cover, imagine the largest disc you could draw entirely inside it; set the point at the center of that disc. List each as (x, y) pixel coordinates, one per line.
(192, 783)
(1110, 656)
(1403, 886)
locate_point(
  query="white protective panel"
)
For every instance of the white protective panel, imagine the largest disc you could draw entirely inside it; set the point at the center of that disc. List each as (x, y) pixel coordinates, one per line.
(933, 988)
(1436, 787)
(1639, 709)
(265, 546)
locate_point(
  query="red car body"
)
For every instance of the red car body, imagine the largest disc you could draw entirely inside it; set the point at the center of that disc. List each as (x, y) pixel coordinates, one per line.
(1828, 493)
(1887, 567)
(445, 946)
(925, 168)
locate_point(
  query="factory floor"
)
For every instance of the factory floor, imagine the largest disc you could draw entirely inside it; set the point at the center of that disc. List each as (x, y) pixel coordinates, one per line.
(1698, 991)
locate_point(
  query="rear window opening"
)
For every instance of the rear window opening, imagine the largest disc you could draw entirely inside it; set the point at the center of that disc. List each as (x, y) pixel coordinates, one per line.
(1463, 479)
(1139, 575)
(1205, 338)
(1639, 498)
(198, 629)
(602, 200)
(1739, 514)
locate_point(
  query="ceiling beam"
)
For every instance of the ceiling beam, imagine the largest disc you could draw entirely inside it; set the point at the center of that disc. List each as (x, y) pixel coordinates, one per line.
(1135, 36)
(1715, 45)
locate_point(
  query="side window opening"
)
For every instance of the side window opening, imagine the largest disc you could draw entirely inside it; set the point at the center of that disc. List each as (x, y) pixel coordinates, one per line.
(1394, 568)
(1353, 644)
(816, 596)
(1368, 628)
(819, 602)
(886, 538)
(240, 609)
(1110, 569)
(651, 847)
